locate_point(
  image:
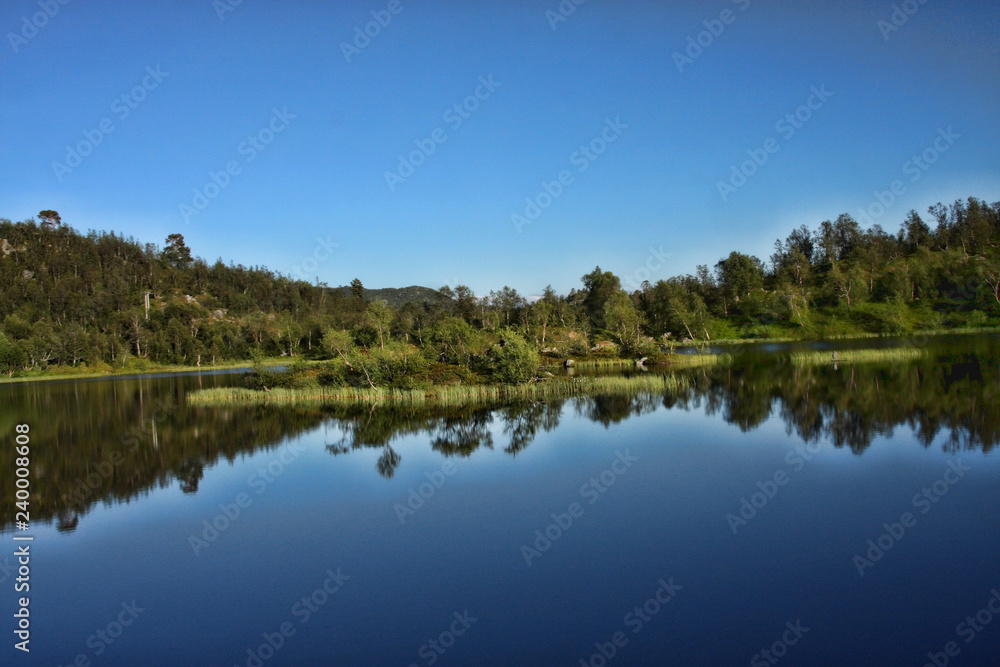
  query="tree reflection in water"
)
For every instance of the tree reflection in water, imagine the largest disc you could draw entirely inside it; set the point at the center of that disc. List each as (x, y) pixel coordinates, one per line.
(112, 440)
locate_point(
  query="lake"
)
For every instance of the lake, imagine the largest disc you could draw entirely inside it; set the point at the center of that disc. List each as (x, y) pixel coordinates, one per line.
(771, 513)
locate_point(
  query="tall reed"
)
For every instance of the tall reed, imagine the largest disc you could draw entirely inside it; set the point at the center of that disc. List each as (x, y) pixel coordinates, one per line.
(450, 394)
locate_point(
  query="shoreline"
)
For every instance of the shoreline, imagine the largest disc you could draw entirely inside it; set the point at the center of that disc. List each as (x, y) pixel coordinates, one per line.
(582, 362)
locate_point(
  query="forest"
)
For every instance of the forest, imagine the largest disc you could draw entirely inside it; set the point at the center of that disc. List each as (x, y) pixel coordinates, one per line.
(104, 302)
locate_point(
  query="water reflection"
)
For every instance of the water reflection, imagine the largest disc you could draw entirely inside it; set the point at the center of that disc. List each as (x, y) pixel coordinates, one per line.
(115, 440)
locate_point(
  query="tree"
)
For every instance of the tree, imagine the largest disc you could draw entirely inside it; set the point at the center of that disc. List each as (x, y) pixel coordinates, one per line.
(914, 233)
(379, 316)
(357, 292)
(541, 313)
(599, 287)
(846, 279)
(738, 274)
(12, 357)
(511, 360)
(455, 340)
(465, 303)
(992, 278)
(508, 303)
(623, 321)
(176, 253)
(50, 218)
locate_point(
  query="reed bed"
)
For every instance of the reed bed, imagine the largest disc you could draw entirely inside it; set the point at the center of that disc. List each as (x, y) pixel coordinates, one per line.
(693, 360)
(447, 395)
(685, 360)
(857, 356)
(604, 363)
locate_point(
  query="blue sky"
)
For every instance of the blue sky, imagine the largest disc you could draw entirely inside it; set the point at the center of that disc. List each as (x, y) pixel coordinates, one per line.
(313, 175)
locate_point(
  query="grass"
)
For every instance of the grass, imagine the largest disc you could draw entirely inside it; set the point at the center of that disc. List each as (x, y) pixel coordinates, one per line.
(693, 360)
(83, 372)
(857, 356)
(603, 363)
(448, 395)
(813, 335)
(685, 360)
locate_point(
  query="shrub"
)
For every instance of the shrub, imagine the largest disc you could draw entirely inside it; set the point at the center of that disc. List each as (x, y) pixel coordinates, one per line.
(262, 378)
(880, 318)
(333, 374)
(455, 341)
(511, 360)
(398, 366)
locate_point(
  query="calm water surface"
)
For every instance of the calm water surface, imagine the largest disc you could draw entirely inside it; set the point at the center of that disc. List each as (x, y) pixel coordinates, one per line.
(684, 530)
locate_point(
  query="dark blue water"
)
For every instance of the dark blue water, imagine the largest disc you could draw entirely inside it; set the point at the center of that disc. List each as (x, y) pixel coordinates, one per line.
(645, 567)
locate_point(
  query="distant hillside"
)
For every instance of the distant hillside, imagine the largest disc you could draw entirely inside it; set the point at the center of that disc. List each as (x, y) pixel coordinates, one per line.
(396, 296)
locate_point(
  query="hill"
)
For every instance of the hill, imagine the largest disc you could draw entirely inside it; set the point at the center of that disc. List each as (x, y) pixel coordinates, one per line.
(396, 296)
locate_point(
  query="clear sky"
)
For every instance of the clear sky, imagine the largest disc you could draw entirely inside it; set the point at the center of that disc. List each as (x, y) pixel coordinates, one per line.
(309, 128)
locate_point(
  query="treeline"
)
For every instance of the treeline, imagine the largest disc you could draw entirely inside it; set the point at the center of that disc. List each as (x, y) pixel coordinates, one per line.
(69, 299)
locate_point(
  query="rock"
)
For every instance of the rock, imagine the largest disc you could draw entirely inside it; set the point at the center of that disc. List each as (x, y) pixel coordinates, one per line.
(568, 363)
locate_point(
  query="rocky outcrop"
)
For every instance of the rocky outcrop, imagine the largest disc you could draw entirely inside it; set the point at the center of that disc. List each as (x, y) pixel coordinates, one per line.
(6, 248)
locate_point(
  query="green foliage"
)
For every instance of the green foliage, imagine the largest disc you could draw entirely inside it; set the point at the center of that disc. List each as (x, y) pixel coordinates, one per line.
(333, 374)
(379, 317)
(738, 275)
(887, 319)
(397, 366)
(176, 253)
(623, 322)
(511, 360)
(12, 358)
(365, 336)
(262, 378)
(454, 341)
(71, 300)
(599, 286)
